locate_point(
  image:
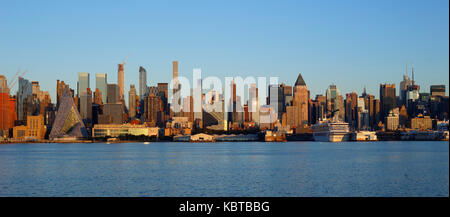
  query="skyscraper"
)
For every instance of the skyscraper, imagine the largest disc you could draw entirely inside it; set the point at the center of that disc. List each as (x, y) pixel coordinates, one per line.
(120, 80)
(101, 85)
(335, 102)
(83, 83)
(253, 104)
(7, 110)
(404, 87)
(300, 101)
(132, 101)
(277, 99)
(142, 82)
(351, 108)
(113, 93)
(437, 90)
(387, 99)
(86, 106)
(24, 99)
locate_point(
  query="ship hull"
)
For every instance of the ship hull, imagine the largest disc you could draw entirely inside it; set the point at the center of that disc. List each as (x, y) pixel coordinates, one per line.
(331, 137)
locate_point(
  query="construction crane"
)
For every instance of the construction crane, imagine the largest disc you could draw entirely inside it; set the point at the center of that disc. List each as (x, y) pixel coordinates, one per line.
(13, 78)
(126, 59)
(14, 83)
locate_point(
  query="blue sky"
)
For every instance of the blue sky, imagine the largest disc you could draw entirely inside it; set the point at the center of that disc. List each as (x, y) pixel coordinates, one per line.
(349, 43)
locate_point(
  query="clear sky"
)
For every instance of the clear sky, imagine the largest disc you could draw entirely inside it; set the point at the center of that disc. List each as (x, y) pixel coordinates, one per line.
(349, 43)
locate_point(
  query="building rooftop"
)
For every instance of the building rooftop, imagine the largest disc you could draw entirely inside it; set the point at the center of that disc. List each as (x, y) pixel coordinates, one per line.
(300, 80)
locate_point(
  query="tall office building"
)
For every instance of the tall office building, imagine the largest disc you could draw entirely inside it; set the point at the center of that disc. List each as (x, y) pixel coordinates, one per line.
(120, 80)
(277, 99)
(176, 85)
(300, 102)
(7, 107)
(101, 84)
(154, 111)
(24, 105)
(351, 108)
(404, 87)
(437, 90)
(143, 89)
(83, 83)
(132, 101)
(98, 97)
(253, 104)
(86, 107)
(335, 102)
(113, 93)
(387, 99)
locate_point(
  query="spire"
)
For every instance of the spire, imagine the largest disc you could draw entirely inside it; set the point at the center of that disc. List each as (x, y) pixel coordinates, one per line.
(406, 72)
(300, 80)
(413, 82)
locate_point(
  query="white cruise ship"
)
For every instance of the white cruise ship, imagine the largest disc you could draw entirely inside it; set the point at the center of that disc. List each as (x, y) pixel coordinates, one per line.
(333, 130)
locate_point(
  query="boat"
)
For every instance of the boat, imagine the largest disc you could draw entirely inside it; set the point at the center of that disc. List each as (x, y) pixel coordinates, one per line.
(331, 130)
(277, 136)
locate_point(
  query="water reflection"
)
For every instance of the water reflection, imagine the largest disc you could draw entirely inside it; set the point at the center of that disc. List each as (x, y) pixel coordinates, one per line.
(225, 169)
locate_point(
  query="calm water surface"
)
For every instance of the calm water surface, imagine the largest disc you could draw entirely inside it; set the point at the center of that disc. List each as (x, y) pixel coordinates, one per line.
(226, 169)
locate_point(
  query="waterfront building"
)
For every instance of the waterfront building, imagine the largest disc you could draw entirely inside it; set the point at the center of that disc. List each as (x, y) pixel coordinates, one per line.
(202, 137)
(19, 132)
(68, 122)
(132, 101)
(300, 103)
(101, 84)
(116, 130)
(24, 103)
(392, 120)
(7, 108)
(35, 127)
(422, 123)
(387, 98)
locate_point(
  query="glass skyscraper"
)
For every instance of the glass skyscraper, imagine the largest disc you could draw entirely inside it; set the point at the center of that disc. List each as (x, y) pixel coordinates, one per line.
(143, 89)
(24, 94)
(101, 84)
(83, 82)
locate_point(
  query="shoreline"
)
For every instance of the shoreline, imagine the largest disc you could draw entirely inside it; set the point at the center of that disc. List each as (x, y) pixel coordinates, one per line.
(166, 141)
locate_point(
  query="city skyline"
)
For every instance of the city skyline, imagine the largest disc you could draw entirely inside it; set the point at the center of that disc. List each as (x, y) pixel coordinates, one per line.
(299, 37)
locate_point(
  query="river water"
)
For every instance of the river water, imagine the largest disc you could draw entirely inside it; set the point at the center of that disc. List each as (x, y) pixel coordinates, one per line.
(226, 169)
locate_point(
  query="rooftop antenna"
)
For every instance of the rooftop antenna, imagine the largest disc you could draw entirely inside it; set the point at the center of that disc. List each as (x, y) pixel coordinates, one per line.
(406, 72)
(413, 83)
